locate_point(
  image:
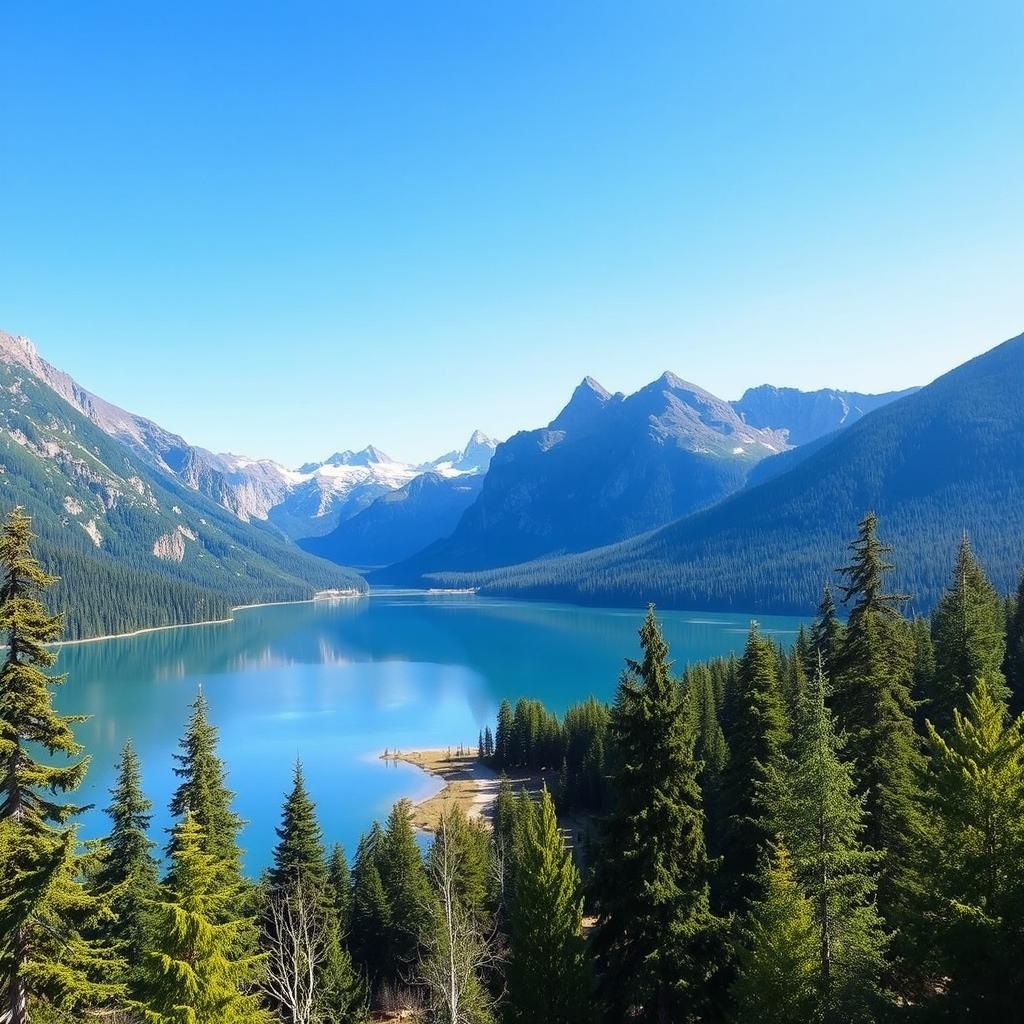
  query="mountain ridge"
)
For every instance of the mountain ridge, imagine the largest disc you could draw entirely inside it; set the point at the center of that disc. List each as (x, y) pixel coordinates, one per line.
(944, 459)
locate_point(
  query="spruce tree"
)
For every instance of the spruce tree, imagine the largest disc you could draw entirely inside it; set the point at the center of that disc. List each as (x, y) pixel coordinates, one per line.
(469, 847)
(299, 854)
(46, 913)
(1014, 665)
(503, 735)
(826, 637)
(923, 673)
(339, 887)
(820, 818)
(658, 944)
(202, 967)
(547, 975)
(969, 630)
(371, 915)
(876, 710)
(203, 793)
(778, 955)
(299, 866)
(406, 889)
(710, 750)
(756, 745)
(971, 882)
(128, 870)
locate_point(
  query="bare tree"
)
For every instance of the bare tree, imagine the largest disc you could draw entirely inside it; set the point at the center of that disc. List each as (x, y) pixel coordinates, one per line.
(297, 946)
(459, 950)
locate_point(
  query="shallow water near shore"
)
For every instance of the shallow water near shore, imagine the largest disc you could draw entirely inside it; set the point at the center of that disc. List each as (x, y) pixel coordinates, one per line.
(336, 683)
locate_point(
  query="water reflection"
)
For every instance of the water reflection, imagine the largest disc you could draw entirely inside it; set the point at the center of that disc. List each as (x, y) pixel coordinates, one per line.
(336, 683)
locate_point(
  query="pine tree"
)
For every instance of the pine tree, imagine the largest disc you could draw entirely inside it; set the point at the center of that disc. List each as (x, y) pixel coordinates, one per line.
(547, 975)
(710, 749)
(923, 672)
(45, 912)
(658, 944)
(826, 638)
(1015, 649)
(406, 888)
(339, 887)
(128, 870)
(203, 793)
(777, 980)
(503, 735)
(299, 854)
(456, 950)
(969, 630)
(203, 964)
(371, 912)
(972, 884)
(819, 817)
(876, 709)
(469, 846)
(299, 866)
(756, 744)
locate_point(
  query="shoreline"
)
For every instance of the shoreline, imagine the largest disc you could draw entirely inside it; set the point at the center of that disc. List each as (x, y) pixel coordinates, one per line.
(192, 625)
(468, 784)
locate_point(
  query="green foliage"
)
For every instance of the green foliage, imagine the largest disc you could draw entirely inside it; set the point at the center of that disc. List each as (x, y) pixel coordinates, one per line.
(299, 854)
(969, 630)
(971, 886)
(468, 843)
(876, 710)
(203, 964)
(757, 739)
(203, 792)
(455, 943)
(406, 889)
(777, 980)
(547, 974)
(339, 887)
(657, 942)
(127, 869)
(371, 911)
(47, 917)
(948, 456)
(819, 817)
(70, 474)
(1015, 647)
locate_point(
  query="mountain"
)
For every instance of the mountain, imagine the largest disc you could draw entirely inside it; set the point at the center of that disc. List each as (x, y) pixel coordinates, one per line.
(606, 467)
(133, 544)
(808, 415)
(307, 502)
(401, 522)
(407, 519)
(944, 460)
(474, 458)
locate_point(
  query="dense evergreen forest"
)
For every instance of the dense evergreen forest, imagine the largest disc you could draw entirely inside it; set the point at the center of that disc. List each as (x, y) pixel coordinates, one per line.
(832, 833)
(99, 511)
(948, 458)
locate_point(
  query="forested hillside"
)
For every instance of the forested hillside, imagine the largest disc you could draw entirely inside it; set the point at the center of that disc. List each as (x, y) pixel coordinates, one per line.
(946, 460)
(605, 468)
(829, 833)
(134, 547)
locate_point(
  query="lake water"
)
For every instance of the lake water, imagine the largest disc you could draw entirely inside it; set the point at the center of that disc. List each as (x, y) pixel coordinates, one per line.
(337, 683)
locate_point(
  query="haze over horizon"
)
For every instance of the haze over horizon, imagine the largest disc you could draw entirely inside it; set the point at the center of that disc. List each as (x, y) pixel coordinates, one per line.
(285, 232)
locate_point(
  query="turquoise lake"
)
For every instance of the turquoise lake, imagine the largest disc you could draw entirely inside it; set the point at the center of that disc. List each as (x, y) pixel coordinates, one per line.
(337, 683)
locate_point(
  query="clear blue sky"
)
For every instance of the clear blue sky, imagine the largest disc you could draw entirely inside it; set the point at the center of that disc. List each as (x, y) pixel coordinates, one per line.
(284, 229)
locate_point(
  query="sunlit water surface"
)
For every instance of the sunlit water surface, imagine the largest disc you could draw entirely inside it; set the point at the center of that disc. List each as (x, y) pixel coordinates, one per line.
(336, 683)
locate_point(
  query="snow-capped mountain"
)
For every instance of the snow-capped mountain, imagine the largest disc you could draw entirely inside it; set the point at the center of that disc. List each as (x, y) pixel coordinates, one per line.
(314, 499)
(306, 502)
